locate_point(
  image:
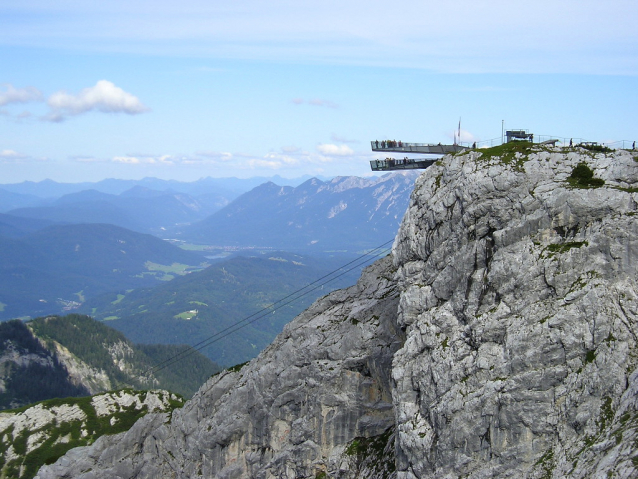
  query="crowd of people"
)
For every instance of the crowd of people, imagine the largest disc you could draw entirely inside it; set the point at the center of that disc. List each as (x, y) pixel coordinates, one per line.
(389, 144)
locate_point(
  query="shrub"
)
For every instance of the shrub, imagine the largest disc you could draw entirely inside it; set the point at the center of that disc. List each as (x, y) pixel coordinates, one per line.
(595, 147)
(583, 177)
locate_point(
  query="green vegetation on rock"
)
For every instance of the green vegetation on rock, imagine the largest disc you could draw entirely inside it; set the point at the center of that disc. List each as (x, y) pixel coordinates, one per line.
(595, 147)
(513, 153)
(583, 177)
(374, 454)
(69, 423)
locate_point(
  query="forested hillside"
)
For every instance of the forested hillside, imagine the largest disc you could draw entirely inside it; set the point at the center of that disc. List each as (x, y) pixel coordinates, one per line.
(29, 372)
(75, 355)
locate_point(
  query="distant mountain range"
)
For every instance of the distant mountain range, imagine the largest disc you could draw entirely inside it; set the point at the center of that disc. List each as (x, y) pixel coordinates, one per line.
(346, 214)
(16, 226)
(138, 209)
(30, 193)
(60, 266)
(148, 206)
(343, 214)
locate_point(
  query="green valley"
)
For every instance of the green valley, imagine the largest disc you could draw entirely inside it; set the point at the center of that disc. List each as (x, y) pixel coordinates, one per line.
(202, 304)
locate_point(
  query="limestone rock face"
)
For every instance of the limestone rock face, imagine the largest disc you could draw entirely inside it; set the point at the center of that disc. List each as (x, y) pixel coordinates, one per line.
(498, 340)
(519, 300)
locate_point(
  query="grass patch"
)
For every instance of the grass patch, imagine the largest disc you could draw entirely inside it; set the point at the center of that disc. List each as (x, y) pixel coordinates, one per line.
(513, 153)
(197, 302)
(173, 268)
(376, 452)
(565, 247)
(237, 367)
(186, 315)
(119, 299)
(626, 190)
(546, 463)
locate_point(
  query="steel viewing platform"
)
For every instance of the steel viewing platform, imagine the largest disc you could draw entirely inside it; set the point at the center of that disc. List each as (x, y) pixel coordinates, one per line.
(406, 164)
(426, 148)
(409, 163)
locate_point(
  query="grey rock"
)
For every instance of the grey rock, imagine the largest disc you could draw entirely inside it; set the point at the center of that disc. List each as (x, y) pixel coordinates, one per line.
(498, 340)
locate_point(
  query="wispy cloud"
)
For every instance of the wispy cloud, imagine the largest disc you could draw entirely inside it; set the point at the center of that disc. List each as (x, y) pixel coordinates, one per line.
(315, 102)
(567, 36)
(11, 155)
(216, 155)
(341, 139)
(150, 160)
(334, 150)
(19, 95)
(104, 97)
(465, 137)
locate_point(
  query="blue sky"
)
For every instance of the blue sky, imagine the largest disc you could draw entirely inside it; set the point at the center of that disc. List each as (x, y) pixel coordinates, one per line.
(183, 90)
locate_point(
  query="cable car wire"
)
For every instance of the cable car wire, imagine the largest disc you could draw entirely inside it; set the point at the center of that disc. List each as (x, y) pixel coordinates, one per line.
(286, 300)
(355, 263)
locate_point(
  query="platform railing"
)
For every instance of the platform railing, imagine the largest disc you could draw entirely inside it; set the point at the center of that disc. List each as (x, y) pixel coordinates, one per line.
(561, 141)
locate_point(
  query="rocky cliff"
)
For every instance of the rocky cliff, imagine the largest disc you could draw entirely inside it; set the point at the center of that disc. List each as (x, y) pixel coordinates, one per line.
(41, 433)
(498, 340)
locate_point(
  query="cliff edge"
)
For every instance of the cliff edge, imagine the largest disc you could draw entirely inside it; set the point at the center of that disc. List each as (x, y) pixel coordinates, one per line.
(498, 340)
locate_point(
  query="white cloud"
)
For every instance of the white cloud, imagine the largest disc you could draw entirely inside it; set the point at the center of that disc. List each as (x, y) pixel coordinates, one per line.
(131, 160)
(290, 149)
(315, 102)
(19, 95)
(334, 150)
(148, 159)
(215, 155)
(465, 137)
(269, 164)
(11, 155)
(341, 139)
(104, 96)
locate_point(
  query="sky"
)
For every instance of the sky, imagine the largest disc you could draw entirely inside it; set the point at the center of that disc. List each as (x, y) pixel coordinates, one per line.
(190, 89)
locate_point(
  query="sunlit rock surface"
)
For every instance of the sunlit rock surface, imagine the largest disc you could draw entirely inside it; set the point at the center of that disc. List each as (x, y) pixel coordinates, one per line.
(498, 340)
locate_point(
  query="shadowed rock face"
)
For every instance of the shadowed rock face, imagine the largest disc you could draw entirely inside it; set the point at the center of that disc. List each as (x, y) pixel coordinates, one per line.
(498, 340)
